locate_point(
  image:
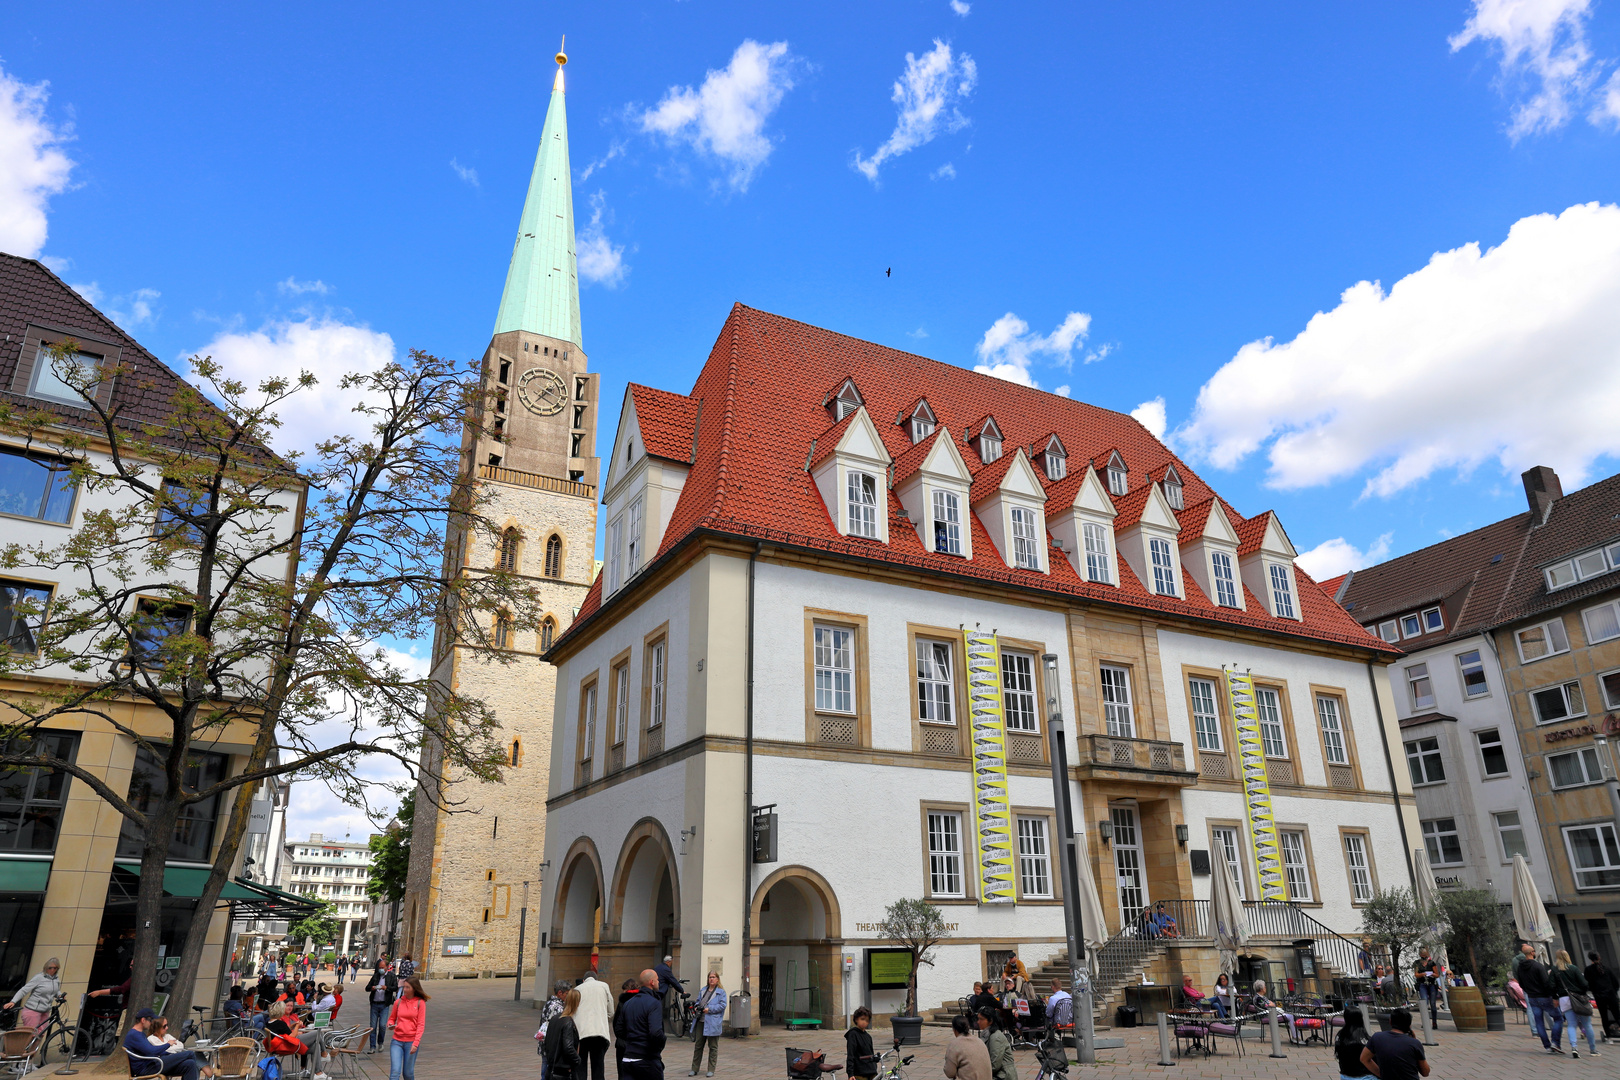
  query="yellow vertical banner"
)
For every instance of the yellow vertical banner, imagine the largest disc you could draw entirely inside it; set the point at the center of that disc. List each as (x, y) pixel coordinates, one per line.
(1256, 787)
(992, 808)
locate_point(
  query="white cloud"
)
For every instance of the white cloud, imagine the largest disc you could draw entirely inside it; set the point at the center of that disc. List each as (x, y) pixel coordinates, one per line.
(725, 117)
(961, 7)
(33, 166)
(1009, 347)
(293, 287)
(599, 259)
(129, 311)
(1338, 556)
(946, 171)
(918, 333)
(467, 174)
(615, 149)
(1511, 353)
(1061, 391)
(1607, 110)
(324, 346)
(927, 94)
(1150, 414)
(1543, 46)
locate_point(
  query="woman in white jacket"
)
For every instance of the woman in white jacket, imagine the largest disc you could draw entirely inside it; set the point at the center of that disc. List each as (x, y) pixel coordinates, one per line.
(37, 996)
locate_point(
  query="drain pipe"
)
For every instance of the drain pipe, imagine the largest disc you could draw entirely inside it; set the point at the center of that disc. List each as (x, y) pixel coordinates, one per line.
(745, 998)
(1394, 788)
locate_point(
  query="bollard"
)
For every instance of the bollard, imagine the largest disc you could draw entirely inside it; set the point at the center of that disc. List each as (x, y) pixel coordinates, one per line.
(1276, 1035)
(1164, 1040)
(1423, 1017)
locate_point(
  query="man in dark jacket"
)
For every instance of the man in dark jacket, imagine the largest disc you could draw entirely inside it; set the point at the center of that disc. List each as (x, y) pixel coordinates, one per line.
(668, 984)
(1538, 993)
(642, 1053)
(1606, 991)
(381, 989)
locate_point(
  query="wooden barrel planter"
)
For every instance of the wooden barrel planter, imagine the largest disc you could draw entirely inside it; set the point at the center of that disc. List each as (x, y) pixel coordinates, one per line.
(1467, 1008)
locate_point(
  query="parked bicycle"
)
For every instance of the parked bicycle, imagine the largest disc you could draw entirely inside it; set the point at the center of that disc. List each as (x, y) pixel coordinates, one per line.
(891, 1066)
(1052, 1056)
(59, 1035)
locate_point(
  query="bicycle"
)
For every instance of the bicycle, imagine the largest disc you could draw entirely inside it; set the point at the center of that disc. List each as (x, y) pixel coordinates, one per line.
(1053, 1058)
(891, 1064)
(60, 1034)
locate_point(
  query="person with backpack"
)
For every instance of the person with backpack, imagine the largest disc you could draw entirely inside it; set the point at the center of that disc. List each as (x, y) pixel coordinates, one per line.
(1351, 1041)
(1395, 1054)
(408, 1021)
(381, 989)
(1574, 1004)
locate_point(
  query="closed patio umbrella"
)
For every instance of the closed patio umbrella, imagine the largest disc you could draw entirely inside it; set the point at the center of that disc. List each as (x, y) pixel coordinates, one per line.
(1227, 919)
(1428, 898)
(1529, 914)
(1091, 912)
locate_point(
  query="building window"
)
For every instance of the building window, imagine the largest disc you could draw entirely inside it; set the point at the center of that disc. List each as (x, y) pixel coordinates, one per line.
(1420, 687)
(1096, 537)
(1227, 847)
(31, 800)
(1268, 703)
(587, 737)
(1547, 639)
(621, 703)
(1282, 591)
(615, 557)
(1594, 852)
(1034, 859)
(1433, 621)
(35, 487)
(1574, 769)
(862, 505)
(1296, 868)
(1511, 833)
(947, 523)
(1118, 480)
(1355, 858)
(945, 854)
(155, 622)
(1164, 568)
(1423, 761)
(1327, 714)
(920, 429)
(509, 551)
(1609, 681)
(1172, 494)
(1473, 674)
(1206, 716)
(194, 832)
(1057, 466)
(1562, 702)
(22, 615)
(1440, 837)
(1602, 623)
(989, 448)
(554, 556)
(548, 632)
(1583, 567)
(503, 631)
(1411, 626)
(655, 704)
(49, 383)
(1220, 564)
(1389, 631)
(1018, 691)
(1492, 755)
(1026, 553)
(835, 669)
(516, 754)
(934, 682)
(633, 541)
(1116, 693)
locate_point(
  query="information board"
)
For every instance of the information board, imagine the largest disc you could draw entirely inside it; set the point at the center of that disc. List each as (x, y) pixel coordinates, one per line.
(888, 969)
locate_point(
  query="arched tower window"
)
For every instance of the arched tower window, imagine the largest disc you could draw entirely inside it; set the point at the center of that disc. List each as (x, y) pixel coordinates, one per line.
(503, 631)
(517, 752)
(554, 556)
(548, 631)
(509, 549)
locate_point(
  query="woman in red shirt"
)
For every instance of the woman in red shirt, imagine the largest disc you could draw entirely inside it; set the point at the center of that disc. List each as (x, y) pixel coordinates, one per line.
(408, 1019)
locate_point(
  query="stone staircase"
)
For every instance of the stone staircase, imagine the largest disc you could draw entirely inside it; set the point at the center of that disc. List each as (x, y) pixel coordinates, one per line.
(1121, 962)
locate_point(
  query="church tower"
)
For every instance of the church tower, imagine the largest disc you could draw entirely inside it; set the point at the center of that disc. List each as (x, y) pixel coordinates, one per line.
(466, 887)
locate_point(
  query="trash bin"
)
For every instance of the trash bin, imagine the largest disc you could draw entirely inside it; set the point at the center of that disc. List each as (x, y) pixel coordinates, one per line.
(1126, 1016)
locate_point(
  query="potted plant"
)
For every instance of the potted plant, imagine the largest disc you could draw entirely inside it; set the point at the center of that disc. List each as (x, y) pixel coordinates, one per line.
(916, 926)
(1479, 941)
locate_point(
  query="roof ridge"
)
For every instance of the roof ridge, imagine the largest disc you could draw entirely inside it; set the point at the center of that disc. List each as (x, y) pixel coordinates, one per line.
(727, 419)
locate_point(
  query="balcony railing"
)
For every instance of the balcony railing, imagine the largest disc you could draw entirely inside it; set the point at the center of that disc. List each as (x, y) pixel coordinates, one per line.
(504, 475)
(1148, 755)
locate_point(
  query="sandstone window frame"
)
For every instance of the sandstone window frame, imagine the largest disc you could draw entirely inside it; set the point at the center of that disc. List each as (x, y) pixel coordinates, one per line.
(1365, 834)
(1341, 698)
(858, 627)
(654, 711)
(952, 638)
(1217, 853)
(1054, 855)
(968, 852)
(1304, 832)
(585, 736)
(619, 697)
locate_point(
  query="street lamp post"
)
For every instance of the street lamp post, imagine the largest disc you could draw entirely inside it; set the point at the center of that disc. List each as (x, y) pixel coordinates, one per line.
(1073, 922)
(1610, 780)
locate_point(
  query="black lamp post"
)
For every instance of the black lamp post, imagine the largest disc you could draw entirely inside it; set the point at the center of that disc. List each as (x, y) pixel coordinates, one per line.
(1079, 970)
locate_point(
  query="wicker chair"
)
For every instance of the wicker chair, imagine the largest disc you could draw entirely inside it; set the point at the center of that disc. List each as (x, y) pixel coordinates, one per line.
(18, 1048)
(233, 1060)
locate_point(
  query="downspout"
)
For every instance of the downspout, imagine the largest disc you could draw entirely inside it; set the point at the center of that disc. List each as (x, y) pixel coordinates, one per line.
(748, 810)
(1394, 788)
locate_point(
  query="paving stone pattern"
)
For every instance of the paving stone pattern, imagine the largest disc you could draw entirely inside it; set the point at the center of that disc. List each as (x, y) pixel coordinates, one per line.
(475, 1030)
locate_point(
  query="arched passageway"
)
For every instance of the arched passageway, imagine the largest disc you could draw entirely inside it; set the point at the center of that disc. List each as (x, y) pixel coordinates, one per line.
(798, 946)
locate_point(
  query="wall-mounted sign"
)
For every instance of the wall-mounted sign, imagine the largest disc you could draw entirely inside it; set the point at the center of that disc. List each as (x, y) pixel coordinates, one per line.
(872, 927)
(717, 937)
(458, 946)
(1611, 726)
(259, 816)
(887, 969)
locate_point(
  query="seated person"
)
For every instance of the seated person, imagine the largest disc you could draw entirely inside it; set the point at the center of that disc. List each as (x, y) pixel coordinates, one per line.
(1060, 1006)
(139, 1044)
(282, 1033)
(1385, 985)
(325, 1000)
(234, 1006)
(1264, 1003)
(1224, 997)
(983, 998)
(1191, 996)
(1162, 924)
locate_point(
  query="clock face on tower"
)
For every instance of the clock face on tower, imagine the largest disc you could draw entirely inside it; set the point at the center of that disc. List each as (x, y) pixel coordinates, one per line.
(542, 391)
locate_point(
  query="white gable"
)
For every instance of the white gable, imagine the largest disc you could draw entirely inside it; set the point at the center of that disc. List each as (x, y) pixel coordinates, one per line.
(1092, 495)
(1276, 542)
(1021, 478)
(1218, 527)
(860, 440)
(627, 444)
(944, 460)
(1157, 513)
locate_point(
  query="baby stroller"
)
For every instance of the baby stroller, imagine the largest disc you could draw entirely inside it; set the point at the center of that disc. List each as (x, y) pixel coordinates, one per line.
(808, 1064)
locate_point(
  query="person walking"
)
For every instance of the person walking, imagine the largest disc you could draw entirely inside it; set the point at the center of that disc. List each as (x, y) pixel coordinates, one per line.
(561, 1048)
(381, 990)
(1574, 1005)
(594, 1019)
(643, 1057)
(1606, 992)
(965, 1055)
(998, 1046)
(627, 989)
(860, 1059)
(712, 1007)
(407, 966)
(1351, 1041)
(339, 966)
(1395, 1054)
(1426, 975)
(409, 1020)
(37, 995)
(548, 1012)
(1536, 983)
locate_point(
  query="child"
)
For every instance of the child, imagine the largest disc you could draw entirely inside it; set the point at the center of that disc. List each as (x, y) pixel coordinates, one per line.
(859, 1057)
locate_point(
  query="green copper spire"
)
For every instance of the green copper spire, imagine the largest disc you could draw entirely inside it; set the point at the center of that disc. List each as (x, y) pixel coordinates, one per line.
(542, 284)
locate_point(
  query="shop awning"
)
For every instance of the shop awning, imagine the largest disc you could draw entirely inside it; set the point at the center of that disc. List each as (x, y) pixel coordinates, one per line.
(186, 882)
(269, 902)
(24, 875)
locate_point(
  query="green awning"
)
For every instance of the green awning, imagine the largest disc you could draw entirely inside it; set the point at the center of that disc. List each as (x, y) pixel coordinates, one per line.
(24, 875)
(269, 902)
(186, 882)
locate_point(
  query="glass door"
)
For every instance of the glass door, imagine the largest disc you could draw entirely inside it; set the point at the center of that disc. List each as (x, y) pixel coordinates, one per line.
(1128, 865)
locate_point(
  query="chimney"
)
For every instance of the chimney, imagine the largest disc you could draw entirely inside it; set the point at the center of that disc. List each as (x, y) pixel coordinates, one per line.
(1542, 488)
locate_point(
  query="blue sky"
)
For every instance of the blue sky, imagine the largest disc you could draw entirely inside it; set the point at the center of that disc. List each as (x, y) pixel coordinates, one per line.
(1150, 191)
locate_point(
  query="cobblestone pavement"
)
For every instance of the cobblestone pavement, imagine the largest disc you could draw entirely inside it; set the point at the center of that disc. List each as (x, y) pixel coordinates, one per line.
(476, 1030)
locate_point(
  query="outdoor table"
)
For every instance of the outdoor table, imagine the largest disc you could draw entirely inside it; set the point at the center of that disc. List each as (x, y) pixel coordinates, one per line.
(1190, 1026)
(1150, 1001)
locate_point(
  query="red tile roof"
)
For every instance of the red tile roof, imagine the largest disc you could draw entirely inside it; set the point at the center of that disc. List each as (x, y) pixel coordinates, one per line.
(763, 394)
(667, 421)
(1252, 533)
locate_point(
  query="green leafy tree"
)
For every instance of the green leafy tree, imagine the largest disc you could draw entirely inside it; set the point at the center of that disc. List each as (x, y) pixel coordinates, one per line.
(230, 590)
(319, 927)
(1394, 919)
(391, 857)
(918, 927)
(1480, 941)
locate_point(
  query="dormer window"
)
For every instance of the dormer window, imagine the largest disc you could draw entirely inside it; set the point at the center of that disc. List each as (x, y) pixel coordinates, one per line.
(947, 523)
(1026, 551)
(1118, 477)
(922, 422)
(1172, 490)
(1164, 567)
(847, 400)
(1055, 460)
(1220, 564)
(862, 504)
(1096, 538)
(989, 441)
(1282, 591)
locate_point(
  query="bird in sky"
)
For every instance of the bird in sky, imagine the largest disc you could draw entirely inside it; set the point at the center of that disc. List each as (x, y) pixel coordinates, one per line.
(889, 272)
